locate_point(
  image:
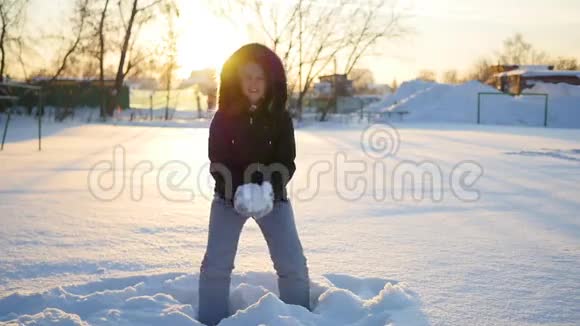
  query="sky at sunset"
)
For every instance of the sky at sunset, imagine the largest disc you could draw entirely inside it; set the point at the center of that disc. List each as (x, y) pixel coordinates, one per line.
(448, 34)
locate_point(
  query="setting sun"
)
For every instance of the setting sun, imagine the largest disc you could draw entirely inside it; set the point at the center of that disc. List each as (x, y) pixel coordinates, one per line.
(204, 39)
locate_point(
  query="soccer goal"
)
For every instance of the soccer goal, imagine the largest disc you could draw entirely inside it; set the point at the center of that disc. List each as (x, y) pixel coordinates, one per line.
(8, 88)
(525, 99)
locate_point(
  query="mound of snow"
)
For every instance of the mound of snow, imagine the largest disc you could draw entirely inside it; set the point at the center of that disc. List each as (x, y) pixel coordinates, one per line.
(404, 92)
(172, 299)
(563, 103)
(433, 102)
(555, 90)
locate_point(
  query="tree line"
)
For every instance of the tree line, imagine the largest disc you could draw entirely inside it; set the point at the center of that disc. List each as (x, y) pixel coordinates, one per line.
(102, 38)
(515, 50)
(99, 39)
(315, 37)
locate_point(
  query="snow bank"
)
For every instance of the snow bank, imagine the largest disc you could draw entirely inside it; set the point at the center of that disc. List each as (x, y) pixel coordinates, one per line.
(434, 102)
(406, 91)
(556, 90)
(445, 103)
(172, 299)
(563, 103)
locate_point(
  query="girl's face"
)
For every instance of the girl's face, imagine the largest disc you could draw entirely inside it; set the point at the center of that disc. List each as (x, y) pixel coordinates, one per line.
(253, 82)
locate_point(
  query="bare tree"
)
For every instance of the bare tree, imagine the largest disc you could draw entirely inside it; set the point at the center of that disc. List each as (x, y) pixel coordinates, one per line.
(516, 50)
(71, 47)
(130, 57)
(11, 19)
(426, 75)
(375, 20)
(362, 79)
(394, 85)
(310, 36)
(563, 63)
(100, 33)
(481, 70)
(357, 30)
(170, 51)
(450, 77)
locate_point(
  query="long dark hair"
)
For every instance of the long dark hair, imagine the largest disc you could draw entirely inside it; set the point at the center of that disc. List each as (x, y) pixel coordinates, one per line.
(231, 98)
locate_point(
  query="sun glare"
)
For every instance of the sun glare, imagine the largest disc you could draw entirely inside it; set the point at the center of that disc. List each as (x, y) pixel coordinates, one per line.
(205, 40)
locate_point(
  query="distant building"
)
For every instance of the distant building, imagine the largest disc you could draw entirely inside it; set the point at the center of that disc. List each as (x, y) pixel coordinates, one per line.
(333, 85)
(514, 79)
(505, 68)
(343, 100)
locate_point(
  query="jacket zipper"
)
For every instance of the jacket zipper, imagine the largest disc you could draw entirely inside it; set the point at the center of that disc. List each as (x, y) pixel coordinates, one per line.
(252, 109)
(252, 123)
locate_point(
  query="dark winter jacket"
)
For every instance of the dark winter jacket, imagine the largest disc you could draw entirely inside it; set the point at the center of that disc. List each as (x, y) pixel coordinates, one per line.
(252, 146)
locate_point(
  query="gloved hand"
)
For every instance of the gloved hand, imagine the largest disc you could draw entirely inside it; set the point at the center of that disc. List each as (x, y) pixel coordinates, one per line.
(253, 200)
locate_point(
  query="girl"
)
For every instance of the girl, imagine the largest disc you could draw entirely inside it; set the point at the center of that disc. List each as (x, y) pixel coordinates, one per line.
(251, 142)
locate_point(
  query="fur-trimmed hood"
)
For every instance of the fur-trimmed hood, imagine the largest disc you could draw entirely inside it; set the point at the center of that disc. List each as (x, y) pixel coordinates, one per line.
(231, 99)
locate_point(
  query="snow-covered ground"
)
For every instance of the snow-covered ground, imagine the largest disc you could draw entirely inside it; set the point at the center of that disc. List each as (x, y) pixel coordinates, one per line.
(73, 253)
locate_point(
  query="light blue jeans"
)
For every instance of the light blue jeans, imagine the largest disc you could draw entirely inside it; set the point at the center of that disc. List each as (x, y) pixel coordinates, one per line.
(279, 230)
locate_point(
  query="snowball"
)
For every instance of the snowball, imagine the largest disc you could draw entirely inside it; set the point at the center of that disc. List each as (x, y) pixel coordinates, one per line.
(254, 200)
